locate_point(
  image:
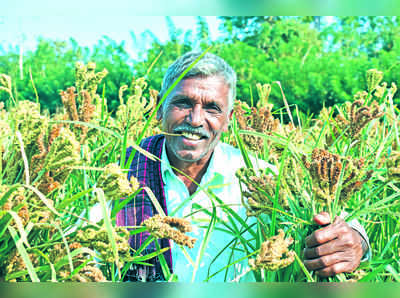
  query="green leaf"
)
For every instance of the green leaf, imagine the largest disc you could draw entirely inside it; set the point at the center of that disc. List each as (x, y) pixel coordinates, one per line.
(204, 243)
(66, 202)
(108, 226)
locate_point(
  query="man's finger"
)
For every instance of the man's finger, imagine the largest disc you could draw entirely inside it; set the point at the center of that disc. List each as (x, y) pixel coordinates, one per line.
(325, 234)
(323, 250)
(321, 236)
(322, 219)
(334, 269)
(323, 262)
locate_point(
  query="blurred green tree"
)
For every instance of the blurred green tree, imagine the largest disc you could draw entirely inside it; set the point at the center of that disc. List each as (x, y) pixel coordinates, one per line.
(318, 60)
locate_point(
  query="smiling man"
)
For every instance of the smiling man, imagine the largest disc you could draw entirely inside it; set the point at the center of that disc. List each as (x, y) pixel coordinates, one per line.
(194, 115)
(199, 110)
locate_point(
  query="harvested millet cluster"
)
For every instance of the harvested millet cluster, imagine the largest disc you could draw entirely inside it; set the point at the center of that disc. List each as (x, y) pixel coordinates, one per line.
(27, 120)
(89, 273)
(57, 154)
(381, 89)
(325, 169)
(260, 120)
(15, 200)
(274, 254)
(259, 190)
(99, 241)
(256, 120)
(114, 183)
(86, 77)
(356, 116)
(133, 113)
(86, 110)
(55, 254)
(86, 274)
(170, 228)
(86, 82)
(15, 263)
(356, 275)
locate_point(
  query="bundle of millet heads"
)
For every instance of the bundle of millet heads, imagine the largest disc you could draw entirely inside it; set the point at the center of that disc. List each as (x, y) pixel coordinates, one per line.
(357, 116)
(258, 120)
(259, 188)
(274, 253)
(326, 168)
(171, 228)
(114, 183)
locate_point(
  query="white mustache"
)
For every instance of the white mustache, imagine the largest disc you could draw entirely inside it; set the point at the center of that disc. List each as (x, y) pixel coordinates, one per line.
(193, 130)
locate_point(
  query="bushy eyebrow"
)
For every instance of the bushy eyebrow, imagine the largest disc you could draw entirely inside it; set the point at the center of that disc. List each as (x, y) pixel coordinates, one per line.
(209, 103)
(179, 96)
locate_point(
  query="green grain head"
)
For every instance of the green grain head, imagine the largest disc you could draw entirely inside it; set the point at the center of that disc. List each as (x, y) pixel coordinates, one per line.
(63, 154)
(374, 77)
(114, 183)
(28, 121)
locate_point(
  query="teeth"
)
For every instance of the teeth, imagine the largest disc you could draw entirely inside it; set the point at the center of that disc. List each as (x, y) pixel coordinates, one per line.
(190, 136)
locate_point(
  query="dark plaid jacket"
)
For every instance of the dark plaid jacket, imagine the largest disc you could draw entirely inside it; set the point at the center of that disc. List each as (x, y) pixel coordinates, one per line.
(148, 173)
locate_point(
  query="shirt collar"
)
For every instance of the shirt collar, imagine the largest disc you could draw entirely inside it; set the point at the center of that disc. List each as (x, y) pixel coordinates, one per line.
(165, 165)
(217, 163)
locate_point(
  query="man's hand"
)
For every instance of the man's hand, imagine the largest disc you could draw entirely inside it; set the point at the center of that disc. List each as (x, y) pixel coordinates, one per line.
(333, 249)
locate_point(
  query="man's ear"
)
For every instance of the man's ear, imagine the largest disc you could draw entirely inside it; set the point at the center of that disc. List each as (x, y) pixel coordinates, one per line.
(159, 111)
(230, 115)
(225, 129)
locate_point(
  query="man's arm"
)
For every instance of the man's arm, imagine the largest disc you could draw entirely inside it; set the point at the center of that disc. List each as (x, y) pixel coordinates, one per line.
(335, 248)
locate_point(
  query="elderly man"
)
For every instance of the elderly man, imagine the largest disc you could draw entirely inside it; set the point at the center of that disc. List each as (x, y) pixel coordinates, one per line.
(194, 115)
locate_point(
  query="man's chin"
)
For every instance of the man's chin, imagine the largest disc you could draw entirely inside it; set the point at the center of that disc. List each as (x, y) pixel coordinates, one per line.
(183, 153)
(188, 156)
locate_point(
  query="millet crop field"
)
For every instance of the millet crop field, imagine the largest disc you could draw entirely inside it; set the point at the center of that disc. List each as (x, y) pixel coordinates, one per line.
(55, 167)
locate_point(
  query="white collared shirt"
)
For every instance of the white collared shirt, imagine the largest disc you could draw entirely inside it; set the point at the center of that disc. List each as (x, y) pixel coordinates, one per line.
(221, 180)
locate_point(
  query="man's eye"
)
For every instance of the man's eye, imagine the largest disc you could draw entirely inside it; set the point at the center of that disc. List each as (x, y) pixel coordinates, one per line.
(213, 108)
(182, 103)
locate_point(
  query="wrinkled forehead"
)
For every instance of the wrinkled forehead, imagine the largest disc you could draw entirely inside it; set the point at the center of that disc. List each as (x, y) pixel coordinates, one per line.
(202, 87)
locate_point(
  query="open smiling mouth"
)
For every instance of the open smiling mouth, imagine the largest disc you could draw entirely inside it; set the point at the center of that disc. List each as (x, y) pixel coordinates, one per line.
(192, 136)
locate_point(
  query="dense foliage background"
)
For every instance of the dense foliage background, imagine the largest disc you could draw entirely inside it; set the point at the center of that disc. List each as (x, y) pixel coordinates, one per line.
(56, 169)
(317, 62)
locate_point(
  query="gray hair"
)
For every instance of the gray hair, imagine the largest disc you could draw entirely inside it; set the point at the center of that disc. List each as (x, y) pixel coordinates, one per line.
(208, 65)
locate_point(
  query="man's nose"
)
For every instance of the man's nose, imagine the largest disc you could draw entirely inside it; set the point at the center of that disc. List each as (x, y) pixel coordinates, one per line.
(196, 116)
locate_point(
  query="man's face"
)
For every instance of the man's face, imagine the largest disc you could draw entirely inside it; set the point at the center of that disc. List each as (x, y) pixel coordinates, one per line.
(197, 109)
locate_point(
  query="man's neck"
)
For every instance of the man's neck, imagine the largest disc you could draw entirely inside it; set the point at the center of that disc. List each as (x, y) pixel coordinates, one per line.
(190, 172)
